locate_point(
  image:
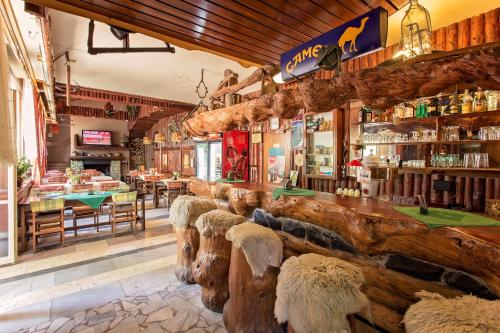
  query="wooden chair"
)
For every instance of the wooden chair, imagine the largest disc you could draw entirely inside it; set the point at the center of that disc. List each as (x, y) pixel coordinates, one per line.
(123, 209)
(148, 185)
(109, 186)
(47, 217)
(172, 191)
(81, 212)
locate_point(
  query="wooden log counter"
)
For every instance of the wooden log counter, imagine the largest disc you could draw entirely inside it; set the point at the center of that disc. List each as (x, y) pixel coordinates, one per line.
(398, 254)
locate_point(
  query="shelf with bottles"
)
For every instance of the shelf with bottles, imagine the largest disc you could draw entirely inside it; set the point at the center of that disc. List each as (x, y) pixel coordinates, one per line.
(459, 142)
(428, 110)
(320, 143)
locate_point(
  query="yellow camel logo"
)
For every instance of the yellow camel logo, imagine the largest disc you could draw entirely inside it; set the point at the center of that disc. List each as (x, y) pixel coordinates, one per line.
(350, 34)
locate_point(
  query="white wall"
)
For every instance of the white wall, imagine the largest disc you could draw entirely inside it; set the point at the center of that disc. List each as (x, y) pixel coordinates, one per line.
(117, 127)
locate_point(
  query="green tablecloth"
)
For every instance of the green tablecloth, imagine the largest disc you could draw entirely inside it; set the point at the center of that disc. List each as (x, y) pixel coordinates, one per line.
(92, 200)
(439, 217)
(223, 180)
(296, 191)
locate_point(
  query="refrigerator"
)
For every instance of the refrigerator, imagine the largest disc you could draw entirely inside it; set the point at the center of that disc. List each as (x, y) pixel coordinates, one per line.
(209, 160)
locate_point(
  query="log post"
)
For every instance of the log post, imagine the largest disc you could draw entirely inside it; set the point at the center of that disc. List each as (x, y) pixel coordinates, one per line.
(436, 196)
(447, 195)
(479, 187)
(183, 214)
(490, 188)
(252, 282)
(408, 185)
(426, 187)
(451, 37)
(464, 33)
(477, 30)
(211, 268)
(492, 26)
(417, 185)
(497, 188)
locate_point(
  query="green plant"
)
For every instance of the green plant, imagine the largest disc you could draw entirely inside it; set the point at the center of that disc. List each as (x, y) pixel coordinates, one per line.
(23, 166)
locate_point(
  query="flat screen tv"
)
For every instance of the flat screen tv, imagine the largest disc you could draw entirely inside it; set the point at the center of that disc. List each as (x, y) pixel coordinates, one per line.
(96, 138)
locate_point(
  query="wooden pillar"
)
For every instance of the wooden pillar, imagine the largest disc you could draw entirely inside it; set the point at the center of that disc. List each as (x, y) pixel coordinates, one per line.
(211, 271)
(436, 196)
(490, 188)
(408, 185)
(426, 187)
(389, 187)
(459, 190)
(478, 194)
(398, 185)
(381, 188)
(417, 184)
(468, 193)
(188, 242)
(497, 188)
(447, 195)
(250, 307)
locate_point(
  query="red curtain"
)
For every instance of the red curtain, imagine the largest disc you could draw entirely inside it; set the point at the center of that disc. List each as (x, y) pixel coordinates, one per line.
(40, 166)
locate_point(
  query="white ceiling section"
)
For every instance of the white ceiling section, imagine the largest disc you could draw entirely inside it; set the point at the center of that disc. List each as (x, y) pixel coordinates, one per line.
(161, 75)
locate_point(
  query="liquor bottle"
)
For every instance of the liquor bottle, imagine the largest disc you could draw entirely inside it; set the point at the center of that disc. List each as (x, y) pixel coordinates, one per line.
(454, 103)
(433, 108)
(479, 101)
(409, 110)
(467, 102)
(368, 115)
(361, 116)
(493, 97)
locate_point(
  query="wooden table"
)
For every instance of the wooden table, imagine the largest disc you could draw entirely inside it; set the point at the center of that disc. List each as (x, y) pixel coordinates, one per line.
(157, 189)
(24, 209)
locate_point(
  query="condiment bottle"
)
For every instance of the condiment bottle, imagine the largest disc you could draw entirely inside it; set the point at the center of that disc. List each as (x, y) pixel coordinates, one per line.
(479, 101)
(467, 102)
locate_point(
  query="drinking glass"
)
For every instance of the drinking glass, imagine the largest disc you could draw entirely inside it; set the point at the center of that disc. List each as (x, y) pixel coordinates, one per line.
(469, 160)
(481, 160)
(454, 134)
(483, 133)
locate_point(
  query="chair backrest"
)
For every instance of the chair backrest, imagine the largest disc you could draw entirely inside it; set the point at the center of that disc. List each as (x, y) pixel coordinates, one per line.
(50, 187)
(77, 188)
(44, 205)
(104, 186)
(54, 179)
(124, 197)
(174, 185)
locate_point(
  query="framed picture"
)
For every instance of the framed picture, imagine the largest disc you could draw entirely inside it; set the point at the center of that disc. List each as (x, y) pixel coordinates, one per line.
(294, 175)
(274, 123)
(297, 134)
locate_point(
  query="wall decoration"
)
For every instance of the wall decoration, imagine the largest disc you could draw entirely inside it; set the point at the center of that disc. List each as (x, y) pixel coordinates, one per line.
(235, 154)
(136, 153)
(276, 165)
(274, 123)
(256, 137)
(294, 176)
(297, 134)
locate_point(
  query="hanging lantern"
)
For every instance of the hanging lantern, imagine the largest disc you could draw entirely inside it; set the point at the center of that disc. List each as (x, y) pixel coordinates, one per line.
(147, 140)
(160, 138)
(416, 31)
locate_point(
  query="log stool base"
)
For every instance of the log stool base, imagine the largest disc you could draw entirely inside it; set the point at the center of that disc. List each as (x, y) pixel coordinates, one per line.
(211, 271)
(251, 303)
(188, 241)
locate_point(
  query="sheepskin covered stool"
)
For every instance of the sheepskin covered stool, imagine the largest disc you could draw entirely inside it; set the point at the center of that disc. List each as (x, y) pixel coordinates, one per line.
(183, 214)
(211, 268)
(256, 255)
(315, 294)
(466, 314)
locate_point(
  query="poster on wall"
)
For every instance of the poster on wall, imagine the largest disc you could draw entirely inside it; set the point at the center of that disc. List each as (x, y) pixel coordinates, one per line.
(276, 165)
(235, 154)
(297, 134)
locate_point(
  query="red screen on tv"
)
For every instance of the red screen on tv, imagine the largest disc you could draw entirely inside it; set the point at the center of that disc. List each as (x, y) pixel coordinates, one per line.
(102, 138)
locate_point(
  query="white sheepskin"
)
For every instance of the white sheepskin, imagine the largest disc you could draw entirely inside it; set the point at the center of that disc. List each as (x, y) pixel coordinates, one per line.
(466, 314)
(261, 246)
(185, 210)
(316, 293)
(220, 191)
(217, 222)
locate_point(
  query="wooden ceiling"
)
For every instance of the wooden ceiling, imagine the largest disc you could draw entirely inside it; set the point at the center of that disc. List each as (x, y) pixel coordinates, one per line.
(249, 31)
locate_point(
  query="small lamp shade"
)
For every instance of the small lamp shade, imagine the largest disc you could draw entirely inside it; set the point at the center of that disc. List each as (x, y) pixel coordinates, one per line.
(160, 138)
(147, 140)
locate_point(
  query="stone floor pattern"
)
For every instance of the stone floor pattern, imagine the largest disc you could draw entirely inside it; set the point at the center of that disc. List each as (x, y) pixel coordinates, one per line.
(176, 308)
(113, 283)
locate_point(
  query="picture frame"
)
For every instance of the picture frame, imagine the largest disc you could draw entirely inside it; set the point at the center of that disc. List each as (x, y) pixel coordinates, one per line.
(274, 123)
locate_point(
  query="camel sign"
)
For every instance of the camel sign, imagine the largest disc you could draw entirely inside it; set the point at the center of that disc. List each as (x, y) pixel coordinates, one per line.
(364, 34)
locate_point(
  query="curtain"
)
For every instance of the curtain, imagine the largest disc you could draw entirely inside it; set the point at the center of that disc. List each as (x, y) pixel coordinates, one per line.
(7, 114)
(41, 139)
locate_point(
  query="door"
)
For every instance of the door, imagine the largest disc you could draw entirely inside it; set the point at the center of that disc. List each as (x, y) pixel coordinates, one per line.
(149, 158)
(209, 160)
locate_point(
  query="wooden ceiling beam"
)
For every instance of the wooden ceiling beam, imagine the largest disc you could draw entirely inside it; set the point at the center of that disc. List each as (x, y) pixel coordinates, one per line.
(189, 45)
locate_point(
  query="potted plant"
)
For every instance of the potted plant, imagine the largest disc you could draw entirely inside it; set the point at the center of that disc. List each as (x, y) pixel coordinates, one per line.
(124, 141)
(23, 169)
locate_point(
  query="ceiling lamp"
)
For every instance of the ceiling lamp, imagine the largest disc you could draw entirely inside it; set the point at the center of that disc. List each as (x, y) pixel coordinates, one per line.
(416, 31)
(147, 140)
(160, 138)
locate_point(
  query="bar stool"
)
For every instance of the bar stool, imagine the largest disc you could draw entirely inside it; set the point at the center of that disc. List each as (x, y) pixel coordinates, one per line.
(123, 209)
(47, 217)
(434, 313)
(256, 256)
(317, 293)
(184, 212)
(211, 268)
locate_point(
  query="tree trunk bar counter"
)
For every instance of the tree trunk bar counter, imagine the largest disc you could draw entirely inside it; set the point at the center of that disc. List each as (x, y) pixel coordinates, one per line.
(348, 182)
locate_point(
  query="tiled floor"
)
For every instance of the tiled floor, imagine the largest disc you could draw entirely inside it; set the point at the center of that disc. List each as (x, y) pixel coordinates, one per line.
(120, 284)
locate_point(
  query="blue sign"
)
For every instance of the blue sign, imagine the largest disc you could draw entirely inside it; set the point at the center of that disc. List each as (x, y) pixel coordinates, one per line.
(365, 33)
